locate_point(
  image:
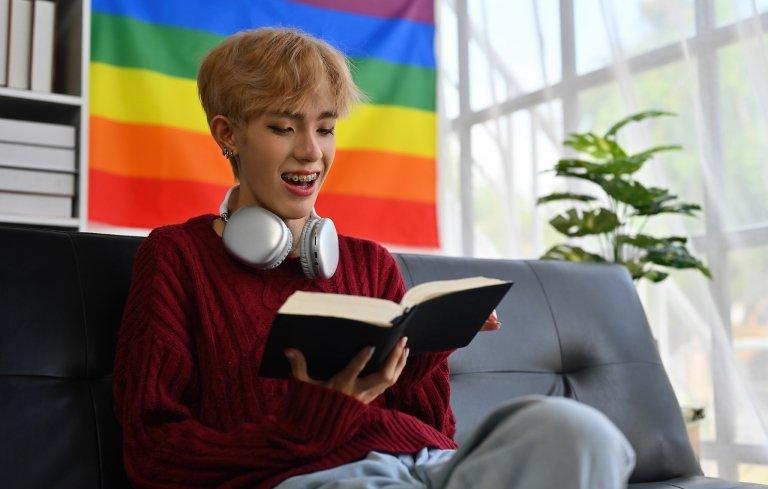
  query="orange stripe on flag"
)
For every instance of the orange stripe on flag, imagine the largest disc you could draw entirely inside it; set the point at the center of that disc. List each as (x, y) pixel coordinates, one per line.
(385, 220)
(382, 175)
(158, 152)
(141, 150)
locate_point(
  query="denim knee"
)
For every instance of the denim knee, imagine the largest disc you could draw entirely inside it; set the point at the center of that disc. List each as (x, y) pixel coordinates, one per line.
(579, 425)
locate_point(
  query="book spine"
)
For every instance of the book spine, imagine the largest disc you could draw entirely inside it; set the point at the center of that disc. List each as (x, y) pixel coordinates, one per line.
(19, 43)
(41, 70)
(5, 20)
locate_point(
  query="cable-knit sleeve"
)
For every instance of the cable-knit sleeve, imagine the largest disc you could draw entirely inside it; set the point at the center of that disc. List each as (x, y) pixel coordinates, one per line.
(154, 381)
(423, 388)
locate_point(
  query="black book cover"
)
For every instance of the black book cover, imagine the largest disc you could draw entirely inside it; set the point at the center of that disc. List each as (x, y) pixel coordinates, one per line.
(329, 343)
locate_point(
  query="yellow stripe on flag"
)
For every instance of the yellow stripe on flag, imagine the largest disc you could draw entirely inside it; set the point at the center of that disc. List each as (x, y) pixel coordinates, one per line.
(143, 96)
(391, 128)
(148, 97)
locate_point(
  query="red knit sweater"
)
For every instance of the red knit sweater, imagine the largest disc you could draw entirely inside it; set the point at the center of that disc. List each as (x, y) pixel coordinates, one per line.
(192, 409)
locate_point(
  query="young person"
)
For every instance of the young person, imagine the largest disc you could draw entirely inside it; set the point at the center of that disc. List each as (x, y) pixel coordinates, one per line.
(204, 293)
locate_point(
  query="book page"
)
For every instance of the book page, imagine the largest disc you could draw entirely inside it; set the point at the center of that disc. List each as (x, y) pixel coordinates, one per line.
(378, 312)
(429, 290)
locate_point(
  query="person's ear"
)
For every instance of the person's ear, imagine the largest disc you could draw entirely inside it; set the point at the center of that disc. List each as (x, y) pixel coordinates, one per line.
(223, 131)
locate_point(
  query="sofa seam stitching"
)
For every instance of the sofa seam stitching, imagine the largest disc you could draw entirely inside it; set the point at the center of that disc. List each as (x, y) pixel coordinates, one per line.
(548, 372)
(551, 313)
(85, 334)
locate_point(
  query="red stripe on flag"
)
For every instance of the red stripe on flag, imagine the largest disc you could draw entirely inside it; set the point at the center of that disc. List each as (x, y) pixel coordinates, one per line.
(149, 203)
(146, 202)
(388, 221)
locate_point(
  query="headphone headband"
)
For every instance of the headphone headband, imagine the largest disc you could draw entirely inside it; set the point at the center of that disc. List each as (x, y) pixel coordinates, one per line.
(261, 239)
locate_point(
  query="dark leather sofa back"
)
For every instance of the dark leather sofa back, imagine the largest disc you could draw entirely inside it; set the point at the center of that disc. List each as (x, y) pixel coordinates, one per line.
(568, 329)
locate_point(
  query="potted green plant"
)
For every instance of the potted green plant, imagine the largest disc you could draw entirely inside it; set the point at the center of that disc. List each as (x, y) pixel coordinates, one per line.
(630, 204)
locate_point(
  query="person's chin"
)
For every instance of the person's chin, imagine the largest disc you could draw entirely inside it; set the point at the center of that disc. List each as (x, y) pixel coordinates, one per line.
(297, 213)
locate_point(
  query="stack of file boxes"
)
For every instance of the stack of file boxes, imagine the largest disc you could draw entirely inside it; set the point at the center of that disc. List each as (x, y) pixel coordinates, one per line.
(37, 168)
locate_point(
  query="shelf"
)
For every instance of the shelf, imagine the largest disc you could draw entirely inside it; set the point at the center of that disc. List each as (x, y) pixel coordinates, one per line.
(42, 97)
(67, 104)
(40, 106)
(69, 222)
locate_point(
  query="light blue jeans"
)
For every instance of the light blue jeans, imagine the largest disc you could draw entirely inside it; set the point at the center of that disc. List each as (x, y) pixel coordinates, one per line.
(531, 442)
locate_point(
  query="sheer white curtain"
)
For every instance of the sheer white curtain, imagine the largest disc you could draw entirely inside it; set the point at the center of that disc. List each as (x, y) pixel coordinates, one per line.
(514, 77)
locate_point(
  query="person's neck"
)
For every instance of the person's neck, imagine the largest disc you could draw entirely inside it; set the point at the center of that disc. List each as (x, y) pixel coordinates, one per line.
(295, 225)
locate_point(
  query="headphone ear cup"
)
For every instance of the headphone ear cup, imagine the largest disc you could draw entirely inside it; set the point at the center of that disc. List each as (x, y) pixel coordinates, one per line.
(256, 237)
(307, 251)
(319, 245)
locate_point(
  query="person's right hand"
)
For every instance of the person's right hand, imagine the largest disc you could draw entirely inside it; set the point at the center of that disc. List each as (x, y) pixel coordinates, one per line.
(364, 389)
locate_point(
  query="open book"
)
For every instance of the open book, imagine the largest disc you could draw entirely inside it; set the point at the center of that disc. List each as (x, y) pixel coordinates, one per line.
(330, 329)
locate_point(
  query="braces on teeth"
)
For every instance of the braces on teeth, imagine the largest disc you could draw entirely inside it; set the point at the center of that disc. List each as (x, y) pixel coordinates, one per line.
(297, 178)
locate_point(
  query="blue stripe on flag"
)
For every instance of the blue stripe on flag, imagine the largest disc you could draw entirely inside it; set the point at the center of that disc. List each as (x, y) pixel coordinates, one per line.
(359, 36)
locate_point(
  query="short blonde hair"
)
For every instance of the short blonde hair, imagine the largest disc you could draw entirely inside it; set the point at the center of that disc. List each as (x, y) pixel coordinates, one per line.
(270, 68)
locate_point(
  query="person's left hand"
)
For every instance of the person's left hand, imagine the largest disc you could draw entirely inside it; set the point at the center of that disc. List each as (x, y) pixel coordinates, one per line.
(492, 323)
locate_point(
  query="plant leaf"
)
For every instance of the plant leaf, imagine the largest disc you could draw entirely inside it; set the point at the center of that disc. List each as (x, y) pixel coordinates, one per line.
(646, 241)
(576, 222)
(570, 253)
(646, 201)
(638, 271)
(565, 196)
(677, 208)
(624, 166)
(611, 133)
(669, 252)
(594, 145)
(657, 149)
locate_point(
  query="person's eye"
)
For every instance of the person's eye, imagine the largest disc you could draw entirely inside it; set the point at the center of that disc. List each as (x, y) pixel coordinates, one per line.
(327, 132)
(280, 130)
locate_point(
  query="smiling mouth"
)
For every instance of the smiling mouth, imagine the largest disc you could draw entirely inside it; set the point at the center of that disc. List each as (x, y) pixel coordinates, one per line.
(301, 181)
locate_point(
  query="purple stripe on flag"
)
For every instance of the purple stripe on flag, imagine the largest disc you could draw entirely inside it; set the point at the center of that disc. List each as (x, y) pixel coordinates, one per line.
(415, 10)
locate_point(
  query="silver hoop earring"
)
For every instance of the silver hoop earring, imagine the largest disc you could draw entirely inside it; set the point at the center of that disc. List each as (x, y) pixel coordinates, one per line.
(227, 152)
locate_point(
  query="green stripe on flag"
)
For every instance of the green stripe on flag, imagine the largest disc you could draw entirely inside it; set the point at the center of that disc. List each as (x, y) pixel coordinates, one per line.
(175, 51)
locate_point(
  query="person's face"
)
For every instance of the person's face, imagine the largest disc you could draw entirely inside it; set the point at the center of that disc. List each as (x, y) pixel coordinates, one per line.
(275, 147)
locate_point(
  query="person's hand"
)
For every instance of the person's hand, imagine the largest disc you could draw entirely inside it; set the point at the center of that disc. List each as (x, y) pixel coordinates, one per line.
(492, 323)
(364, 389)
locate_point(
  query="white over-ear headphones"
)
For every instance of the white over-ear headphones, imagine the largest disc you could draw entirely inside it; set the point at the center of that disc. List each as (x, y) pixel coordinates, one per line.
(260, 239)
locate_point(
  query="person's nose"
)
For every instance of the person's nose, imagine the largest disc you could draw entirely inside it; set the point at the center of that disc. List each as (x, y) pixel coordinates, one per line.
(307, 148)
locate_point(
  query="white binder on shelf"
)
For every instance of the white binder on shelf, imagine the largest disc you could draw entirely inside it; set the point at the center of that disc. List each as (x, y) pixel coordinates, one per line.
(39, 133)
(37, 157)
(5, 6)
(19, 43)
(35, 205)
(39, 182)
(41, 68)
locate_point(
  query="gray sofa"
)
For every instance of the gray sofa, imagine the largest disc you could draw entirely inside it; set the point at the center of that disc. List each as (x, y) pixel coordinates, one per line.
(575, 330)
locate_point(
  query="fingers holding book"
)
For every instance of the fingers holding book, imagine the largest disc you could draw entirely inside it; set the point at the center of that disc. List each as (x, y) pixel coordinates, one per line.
(348, 381)
(492, 323)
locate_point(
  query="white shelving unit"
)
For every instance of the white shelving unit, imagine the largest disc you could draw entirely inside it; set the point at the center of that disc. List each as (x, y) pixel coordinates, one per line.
(68, 104)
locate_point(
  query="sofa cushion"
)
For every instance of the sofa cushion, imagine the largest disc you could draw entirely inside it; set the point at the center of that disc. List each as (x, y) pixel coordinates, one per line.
(568, 329)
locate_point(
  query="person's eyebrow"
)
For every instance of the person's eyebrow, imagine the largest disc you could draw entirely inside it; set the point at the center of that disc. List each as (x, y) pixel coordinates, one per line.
(328, 114)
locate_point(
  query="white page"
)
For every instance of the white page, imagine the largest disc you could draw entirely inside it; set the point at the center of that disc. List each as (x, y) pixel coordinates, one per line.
(379, 312)
(430, 290)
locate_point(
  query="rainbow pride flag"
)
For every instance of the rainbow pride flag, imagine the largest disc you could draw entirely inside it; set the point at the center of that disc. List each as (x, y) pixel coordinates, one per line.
(154, 162)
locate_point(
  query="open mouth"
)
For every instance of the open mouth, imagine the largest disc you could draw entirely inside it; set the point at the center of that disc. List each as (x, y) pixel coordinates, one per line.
(300, 180)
